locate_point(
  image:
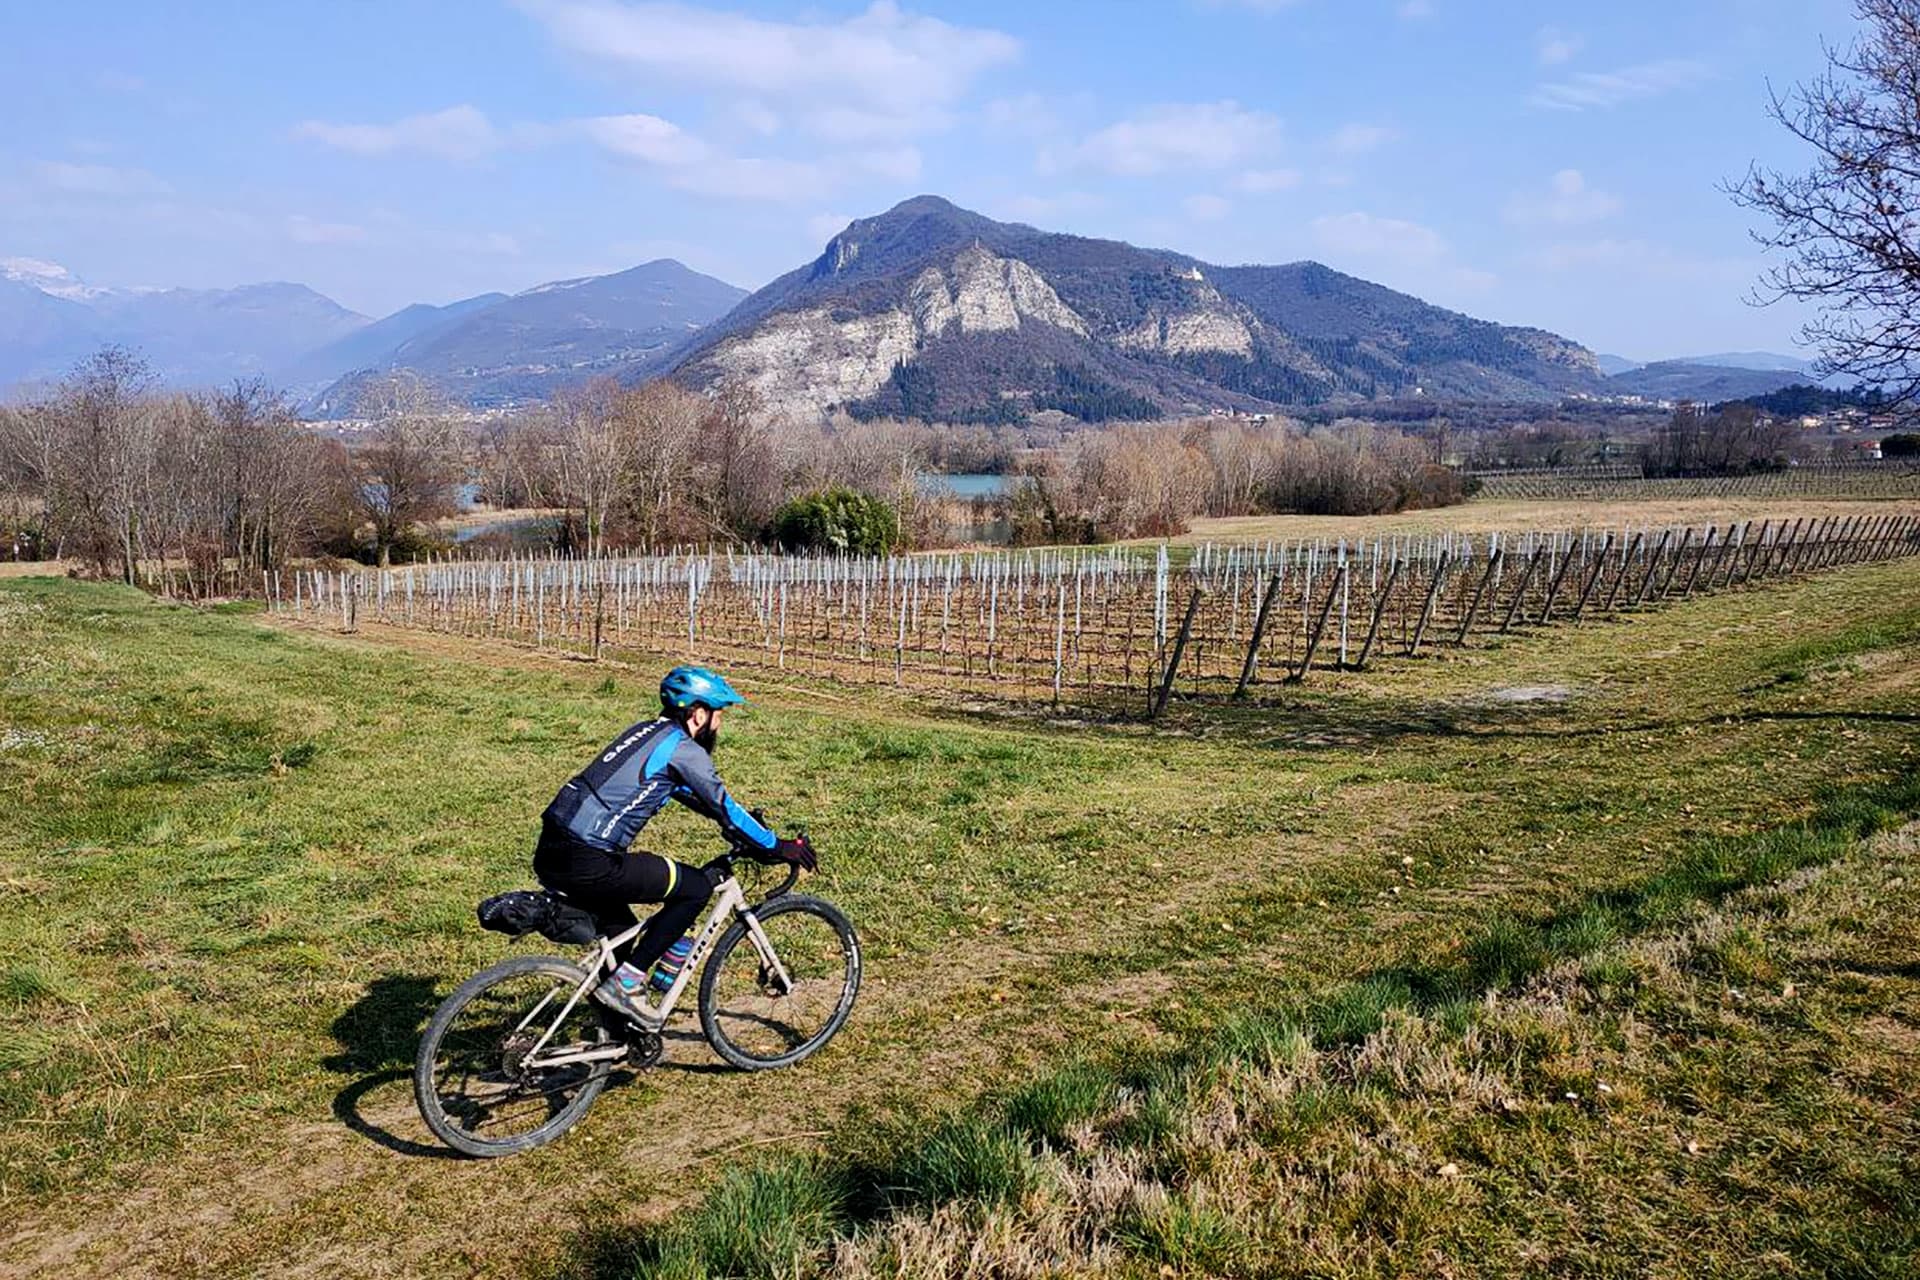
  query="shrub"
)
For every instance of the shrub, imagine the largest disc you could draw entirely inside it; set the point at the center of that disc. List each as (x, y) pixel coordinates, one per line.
(837, 520)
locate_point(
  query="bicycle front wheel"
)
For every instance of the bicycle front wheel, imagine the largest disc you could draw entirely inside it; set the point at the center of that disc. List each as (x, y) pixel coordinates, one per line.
(774, 1004)
(480, 1086)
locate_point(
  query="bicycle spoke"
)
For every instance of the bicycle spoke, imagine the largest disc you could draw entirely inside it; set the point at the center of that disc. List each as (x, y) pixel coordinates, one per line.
(764, 1018)
(482, 1080)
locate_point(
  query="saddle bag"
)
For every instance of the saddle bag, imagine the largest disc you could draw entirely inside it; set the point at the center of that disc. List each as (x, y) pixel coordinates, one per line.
(525, 911)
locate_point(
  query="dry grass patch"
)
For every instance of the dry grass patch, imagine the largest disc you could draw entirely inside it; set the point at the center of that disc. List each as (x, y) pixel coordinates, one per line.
(1505, 515)
(1577, 1096)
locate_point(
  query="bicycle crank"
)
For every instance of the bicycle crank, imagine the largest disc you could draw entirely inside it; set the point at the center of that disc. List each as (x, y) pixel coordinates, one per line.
(643, 1048)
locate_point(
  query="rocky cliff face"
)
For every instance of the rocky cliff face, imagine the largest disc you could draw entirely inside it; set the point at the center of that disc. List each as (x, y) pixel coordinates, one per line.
(931, 311)
(808, 361)
(1551, 348)
(1205, 321)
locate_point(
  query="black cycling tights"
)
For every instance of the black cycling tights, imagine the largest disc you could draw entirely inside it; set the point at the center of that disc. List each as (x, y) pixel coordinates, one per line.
(604, 883)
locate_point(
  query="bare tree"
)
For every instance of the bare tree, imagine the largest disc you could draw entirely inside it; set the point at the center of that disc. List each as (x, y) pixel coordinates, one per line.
(586, 446)
(1850, 226)
(661, 422)
(97, 450)
(737, 483)
(29, 448)
(411, 469)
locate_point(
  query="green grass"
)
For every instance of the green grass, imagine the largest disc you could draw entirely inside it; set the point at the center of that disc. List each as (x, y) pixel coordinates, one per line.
(1210, 1137)
(240, 864)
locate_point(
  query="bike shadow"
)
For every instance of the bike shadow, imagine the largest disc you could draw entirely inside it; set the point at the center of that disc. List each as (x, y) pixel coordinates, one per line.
(682, 1046)
(380, 1032)
(378, 1035)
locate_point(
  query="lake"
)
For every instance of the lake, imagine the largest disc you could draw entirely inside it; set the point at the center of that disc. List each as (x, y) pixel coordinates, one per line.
(969, 485)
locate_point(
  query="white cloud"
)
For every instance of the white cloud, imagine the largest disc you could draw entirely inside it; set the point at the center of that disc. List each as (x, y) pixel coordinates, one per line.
(1261, 181)
(97, 179)
(822, 227)
(1207, 208)
(858, 124)
(1638, 259)
(689, 163)
(1554, 46)
(1031, 115)
(756, 117)
(881, 67)
(1567, 202)
(1258, 6)
(1200, 135)
(1367, 236)
(1408, 249)
(1593, 90)
(896, 164)
(304, 230)
(646, 138)
(497, 243)
(1045, 209)
(1359, 139)
(457, 133)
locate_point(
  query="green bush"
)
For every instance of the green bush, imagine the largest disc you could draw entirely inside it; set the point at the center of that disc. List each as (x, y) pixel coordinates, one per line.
(838, 520)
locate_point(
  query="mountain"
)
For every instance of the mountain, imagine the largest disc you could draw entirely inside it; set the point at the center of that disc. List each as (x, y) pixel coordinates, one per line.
(195, 337)
(1704, 383)
(50, 320)
(1761, 360)
(49, 278)
(1611, 365)
(524, 346)
(933, 311)
(41, 334)
(383, 340)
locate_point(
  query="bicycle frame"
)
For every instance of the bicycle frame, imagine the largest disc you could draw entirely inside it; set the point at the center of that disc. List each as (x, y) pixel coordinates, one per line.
(729, 900)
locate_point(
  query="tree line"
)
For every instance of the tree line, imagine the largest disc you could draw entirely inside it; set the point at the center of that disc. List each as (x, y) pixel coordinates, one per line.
(192, 492)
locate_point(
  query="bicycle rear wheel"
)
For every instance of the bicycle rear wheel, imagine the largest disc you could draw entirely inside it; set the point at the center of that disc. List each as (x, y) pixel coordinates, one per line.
(472, 1079)
(756, 1021)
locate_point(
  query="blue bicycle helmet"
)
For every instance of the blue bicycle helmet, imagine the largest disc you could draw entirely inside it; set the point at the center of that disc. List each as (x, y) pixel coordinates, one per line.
(686, 687)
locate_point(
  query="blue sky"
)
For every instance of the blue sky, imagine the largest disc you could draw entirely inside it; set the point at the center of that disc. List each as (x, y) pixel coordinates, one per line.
(1549, 164)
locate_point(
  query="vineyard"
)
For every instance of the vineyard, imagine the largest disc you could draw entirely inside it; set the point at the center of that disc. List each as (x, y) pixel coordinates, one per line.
(1115, 628)
(1609, 483)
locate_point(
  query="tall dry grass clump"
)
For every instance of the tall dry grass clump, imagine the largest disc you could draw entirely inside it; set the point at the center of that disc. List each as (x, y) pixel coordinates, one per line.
(1628, 1084)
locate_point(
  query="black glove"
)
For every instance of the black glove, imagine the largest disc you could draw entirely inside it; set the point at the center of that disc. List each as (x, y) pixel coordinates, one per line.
(798, 852)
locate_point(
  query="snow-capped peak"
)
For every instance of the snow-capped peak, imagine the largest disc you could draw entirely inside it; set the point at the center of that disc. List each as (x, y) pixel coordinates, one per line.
(48, 277)
(553, 286)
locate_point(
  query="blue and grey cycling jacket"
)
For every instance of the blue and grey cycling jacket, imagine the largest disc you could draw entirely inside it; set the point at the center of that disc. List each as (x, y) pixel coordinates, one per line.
(607, 803)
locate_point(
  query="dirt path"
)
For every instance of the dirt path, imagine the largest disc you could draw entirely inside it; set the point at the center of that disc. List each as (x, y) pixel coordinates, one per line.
(361, 1188)
(357, 1188)
(276, 1202)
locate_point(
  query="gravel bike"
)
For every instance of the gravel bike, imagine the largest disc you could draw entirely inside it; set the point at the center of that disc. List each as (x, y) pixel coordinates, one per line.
(518, 1053)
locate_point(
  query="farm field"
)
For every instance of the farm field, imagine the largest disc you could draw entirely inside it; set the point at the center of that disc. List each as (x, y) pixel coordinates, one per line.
(1515, 515)
(243, 857)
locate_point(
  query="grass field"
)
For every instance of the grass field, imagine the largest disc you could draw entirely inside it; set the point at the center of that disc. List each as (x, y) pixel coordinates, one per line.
(243, 858)
(1513, 515)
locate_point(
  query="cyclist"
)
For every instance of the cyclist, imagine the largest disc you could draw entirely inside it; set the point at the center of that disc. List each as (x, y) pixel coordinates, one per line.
(586, 832)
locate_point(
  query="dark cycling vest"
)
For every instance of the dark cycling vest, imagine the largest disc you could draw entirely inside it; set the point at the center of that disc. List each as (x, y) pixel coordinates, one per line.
(607, 803)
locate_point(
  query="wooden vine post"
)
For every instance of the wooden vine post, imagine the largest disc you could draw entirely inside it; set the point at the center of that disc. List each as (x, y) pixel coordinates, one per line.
(1179, 648)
